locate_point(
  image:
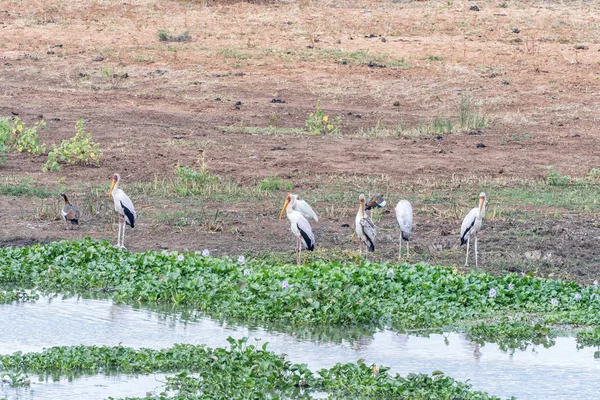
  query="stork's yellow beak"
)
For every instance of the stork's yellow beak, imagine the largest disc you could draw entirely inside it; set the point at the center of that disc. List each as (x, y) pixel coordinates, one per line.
(481, 201)
(112, 186)
(287, 201)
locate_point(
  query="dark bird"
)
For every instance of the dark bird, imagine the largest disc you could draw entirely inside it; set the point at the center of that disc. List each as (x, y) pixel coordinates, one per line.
(375, 201)
(70, 213)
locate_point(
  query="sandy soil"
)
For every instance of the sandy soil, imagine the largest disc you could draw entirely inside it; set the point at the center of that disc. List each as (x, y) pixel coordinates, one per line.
(531, 67)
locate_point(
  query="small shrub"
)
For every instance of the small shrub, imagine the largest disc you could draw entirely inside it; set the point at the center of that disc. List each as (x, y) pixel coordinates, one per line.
(80, 149)
(5, 135)
(165, 36)
(190, 181)
(27, 139)
(319, 123)
(555, 178)
(594, 175)
(270, 183)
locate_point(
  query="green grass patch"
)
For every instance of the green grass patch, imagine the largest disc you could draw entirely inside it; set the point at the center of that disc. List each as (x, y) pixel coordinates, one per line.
(26, 187)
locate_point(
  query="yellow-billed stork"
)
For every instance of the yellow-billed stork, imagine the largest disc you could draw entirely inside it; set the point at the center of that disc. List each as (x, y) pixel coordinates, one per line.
(365, 228)
(299, 225)
(123, 206)
(471, 225)
(404, 216)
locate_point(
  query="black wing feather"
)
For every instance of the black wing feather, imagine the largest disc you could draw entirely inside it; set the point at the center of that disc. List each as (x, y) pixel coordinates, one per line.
(129, 215)
(463, 238)
(310, 245)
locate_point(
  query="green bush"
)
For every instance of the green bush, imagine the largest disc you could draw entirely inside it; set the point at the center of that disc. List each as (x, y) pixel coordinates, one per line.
(318, 123)
(555, 178)
(80, 149)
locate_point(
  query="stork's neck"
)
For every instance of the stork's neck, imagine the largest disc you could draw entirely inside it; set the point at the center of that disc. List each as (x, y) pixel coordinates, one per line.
(290, 207)
(361, 208)
(481, 212)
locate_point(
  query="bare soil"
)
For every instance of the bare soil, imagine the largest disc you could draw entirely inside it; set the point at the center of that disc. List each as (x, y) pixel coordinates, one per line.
(533, 67)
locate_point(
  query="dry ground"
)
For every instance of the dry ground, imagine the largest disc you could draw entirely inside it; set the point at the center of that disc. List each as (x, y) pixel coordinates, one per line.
(532, 67)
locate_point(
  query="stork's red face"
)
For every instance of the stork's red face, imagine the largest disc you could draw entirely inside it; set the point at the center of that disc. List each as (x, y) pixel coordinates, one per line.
(285, 205)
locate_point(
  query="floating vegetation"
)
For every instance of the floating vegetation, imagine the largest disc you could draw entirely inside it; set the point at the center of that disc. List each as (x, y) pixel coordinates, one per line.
(333, 293)
(241, 371)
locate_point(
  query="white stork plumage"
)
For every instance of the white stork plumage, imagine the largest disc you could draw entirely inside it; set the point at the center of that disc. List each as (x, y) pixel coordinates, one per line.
(365, 228)
(123, 206)
(404, 216)
(302, 207)
(299, 224)
(471, 225)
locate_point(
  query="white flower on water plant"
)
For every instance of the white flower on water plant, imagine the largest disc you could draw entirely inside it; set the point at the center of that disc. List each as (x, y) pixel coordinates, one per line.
(554, 302)
(594, 296)
(577, 296)
(205, 253)
(596, 282)
(246, 272)
(284, 285)
(511, 286)
(492, 292)
(390, 273)
(180, 258)
(241, 260)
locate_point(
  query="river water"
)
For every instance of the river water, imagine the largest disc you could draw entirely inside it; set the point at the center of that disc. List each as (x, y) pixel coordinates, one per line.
(559, 372)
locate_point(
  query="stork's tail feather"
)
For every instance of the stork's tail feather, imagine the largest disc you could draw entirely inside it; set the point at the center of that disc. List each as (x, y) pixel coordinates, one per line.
(406, 236)
(75, 221)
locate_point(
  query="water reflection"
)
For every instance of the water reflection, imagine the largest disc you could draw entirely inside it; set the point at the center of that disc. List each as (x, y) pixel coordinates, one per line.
(538, 373)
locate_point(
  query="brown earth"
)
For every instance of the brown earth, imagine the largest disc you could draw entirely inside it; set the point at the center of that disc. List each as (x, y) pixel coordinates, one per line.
(532, 67)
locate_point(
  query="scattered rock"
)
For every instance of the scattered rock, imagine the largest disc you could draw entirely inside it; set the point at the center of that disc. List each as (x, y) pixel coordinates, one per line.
(371, 36)
(14, 113)
(238, 103)
(505, 82)
(439, 137)
(576, 135)
(383, 39)
(238, 74)
(372, 64)
(338, 41)
(50, 52)
(345, 226)
(501, 171)
(476, 132)
(516, 30)
(517, 40)
(98, 58)
(218, 99)
(59, 46)
(396, 103)
(278, 101)
(534, 255)
(55, 119)
(355, 115)
(445, 233)
(474, 8)
(7, 64)
(581, 47)
(480, 145)
(178, 136)
(121, 76)
(277, 148)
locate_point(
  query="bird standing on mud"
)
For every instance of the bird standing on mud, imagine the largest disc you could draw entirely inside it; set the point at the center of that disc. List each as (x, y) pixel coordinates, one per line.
(404, 216)
(297, 212)
(471, 225)
(123, 206)
(365, 228)
(70, 213)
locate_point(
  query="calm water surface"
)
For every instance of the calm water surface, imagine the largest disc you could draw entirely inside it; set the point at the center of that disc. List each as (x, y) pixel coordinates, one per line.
(537, 373)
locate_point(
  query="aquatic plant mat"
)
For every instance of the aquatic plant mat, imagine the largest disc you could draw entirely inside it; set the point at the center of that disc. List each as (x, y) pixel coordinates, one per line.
(513, 311)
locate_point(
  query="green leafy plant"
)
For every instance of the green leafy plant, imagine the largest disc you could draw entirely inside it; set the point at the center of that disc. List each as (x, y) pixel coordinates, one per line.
(27, 139)
(471, 119)
(511, 335)
(80, 149)
(555, 178)
(5, 136)
(318, 123)
(190, 181)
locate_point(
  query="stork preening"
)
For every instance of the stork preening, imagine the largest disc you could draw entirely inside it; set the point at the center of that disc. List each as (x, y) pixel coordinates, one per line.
(365, 228)
(472, 225)
(404, 216)
(70, 213)
(297, 212)
(124, 207)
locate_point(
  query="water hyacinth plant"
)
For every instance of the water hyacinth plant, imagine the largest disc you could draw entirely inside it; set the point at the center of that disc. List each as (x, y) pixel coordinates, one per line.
(250, 372)
(331, 293)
